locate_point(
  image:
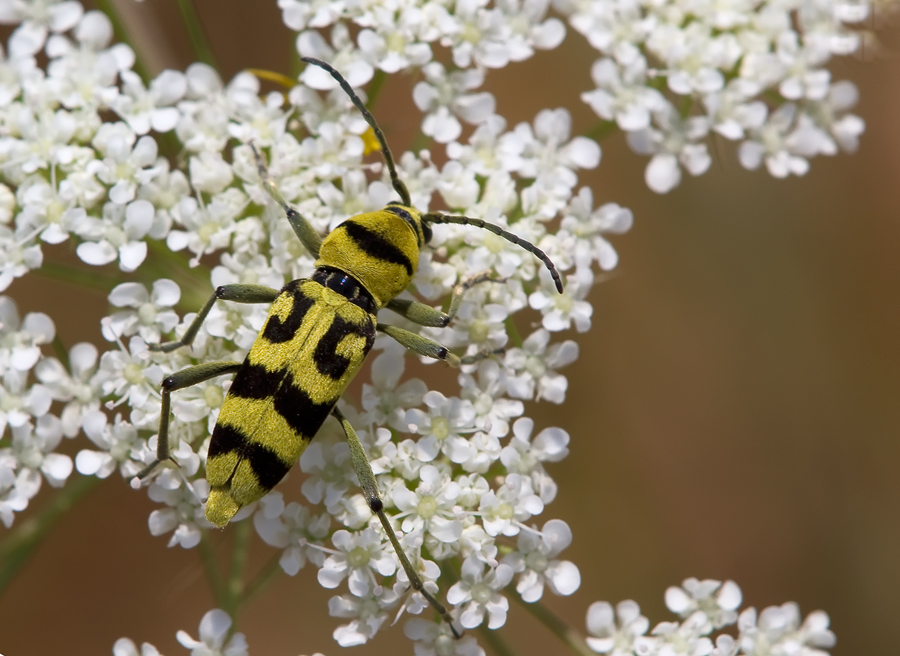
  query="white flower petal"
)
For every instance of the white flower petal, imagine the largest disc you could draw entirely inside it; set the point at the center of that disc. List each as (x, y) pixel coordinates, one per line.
(677, 600)
(96, 253)
(39, 326)
(88, 463)
(663, 173)
(214, 626)
(564, 578)
(132, 255)
(56, 467)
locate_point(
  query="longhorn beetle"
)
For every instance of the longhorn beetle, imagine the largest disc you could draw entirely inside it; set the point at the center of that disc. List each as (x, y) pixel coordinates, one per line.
(313, 342)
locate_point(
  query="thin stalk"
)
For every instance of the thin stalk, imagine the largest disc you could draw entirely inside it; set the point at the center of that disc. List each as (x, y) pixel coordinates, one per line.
(169, 145)
(375, 87)
(262, 579)
(601, 130)
(773, 97)
(658, 82)
(513, 332)
(420, 142)
(559, 628)
(516, 213)
(239, 551)
(78, 277)
(22, 542)
(213, 577)
(121, 33)
(59, 350)
(497, 644)
(295, 64)
(194, 282)
(196, 33)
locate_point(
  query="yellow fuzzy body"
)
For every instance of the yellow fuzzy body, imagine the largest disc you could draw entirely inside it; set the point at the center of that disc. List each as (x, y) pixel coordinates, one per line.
(313, 342)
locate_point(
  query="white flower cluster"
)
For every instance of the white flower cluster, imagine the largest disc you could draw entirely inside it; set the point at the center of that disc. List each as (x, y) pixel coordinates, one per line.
(704, 607)
(29, 456)
(674, 74)
(67, 173)
(215, 640)
(461, 469)
(462, 472)
(30, 383)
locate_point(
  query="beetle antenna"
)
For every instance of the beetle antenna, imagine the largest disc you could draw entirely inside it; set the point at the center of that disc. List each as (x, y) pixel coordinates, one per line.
(396, 182)
(436, 217)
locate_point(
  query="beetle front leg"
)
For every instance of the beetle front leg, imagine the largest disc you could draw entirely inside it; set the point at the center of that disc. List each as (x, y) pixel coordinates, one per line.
(237, 293)
(311, 240)
(428, 348)
(425, 315)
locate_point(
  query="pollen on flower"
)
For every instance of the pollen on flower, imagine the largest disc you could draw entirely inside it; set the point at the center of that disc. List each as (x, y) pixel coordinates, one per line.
(370, 142)
(213, 395)
(134, 373)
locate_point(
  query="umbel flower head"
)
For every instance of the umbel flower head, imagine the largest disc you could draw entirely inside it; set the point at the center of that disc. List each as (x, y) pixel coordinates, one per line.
(132, 170)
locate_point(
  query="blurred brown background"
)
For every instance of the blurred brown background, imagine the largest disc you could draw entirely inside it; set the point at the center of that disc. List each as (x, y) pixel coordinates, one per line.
(734, 413)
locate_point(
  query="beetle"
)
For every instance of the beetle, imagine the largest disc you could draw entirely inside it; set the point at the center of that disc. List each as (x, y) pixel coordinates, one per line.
(314, 341)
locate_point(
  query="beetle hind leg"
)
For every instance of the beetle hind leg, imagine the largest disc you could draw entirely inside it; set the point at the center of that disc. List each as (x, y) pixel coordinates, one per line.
(370, 490)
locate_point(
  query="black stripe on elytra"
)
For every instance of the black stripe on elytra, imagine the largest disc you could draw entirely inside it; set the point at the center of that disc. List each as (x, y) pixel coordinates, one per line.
(328, 361)
(253, 381)
(374, 245)
(266, 464)
(226, 439)
(299, 411)
(347, 286)
(278, 331)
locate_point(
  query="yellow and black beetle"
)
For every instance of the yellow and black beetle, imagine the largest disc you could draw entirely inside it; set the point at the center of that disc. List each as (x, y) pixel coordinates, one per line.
(313, 342)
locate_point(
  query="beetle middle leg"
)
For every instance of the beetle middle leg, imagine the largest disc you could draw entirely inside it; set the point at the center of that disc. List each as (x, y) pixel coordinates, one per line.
(179, 380)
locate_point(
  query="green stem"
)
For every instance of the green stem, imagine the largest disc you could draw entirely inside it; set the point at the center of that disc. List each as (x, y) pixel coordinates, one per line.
(773, 97)
(239, 551)
(420, 142)
(59, 350)
(295, 64)
(513, 332)
(78, 277)
(194, 282)
(497, 644)
(517, 212)
(168, 142)
(658, 82)
(559, 628)
(196, 34)
(22, 542)
(121, 34)
(262, 579)
(213, 577)
(601, 130)
(169, 146)
(375, 87)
